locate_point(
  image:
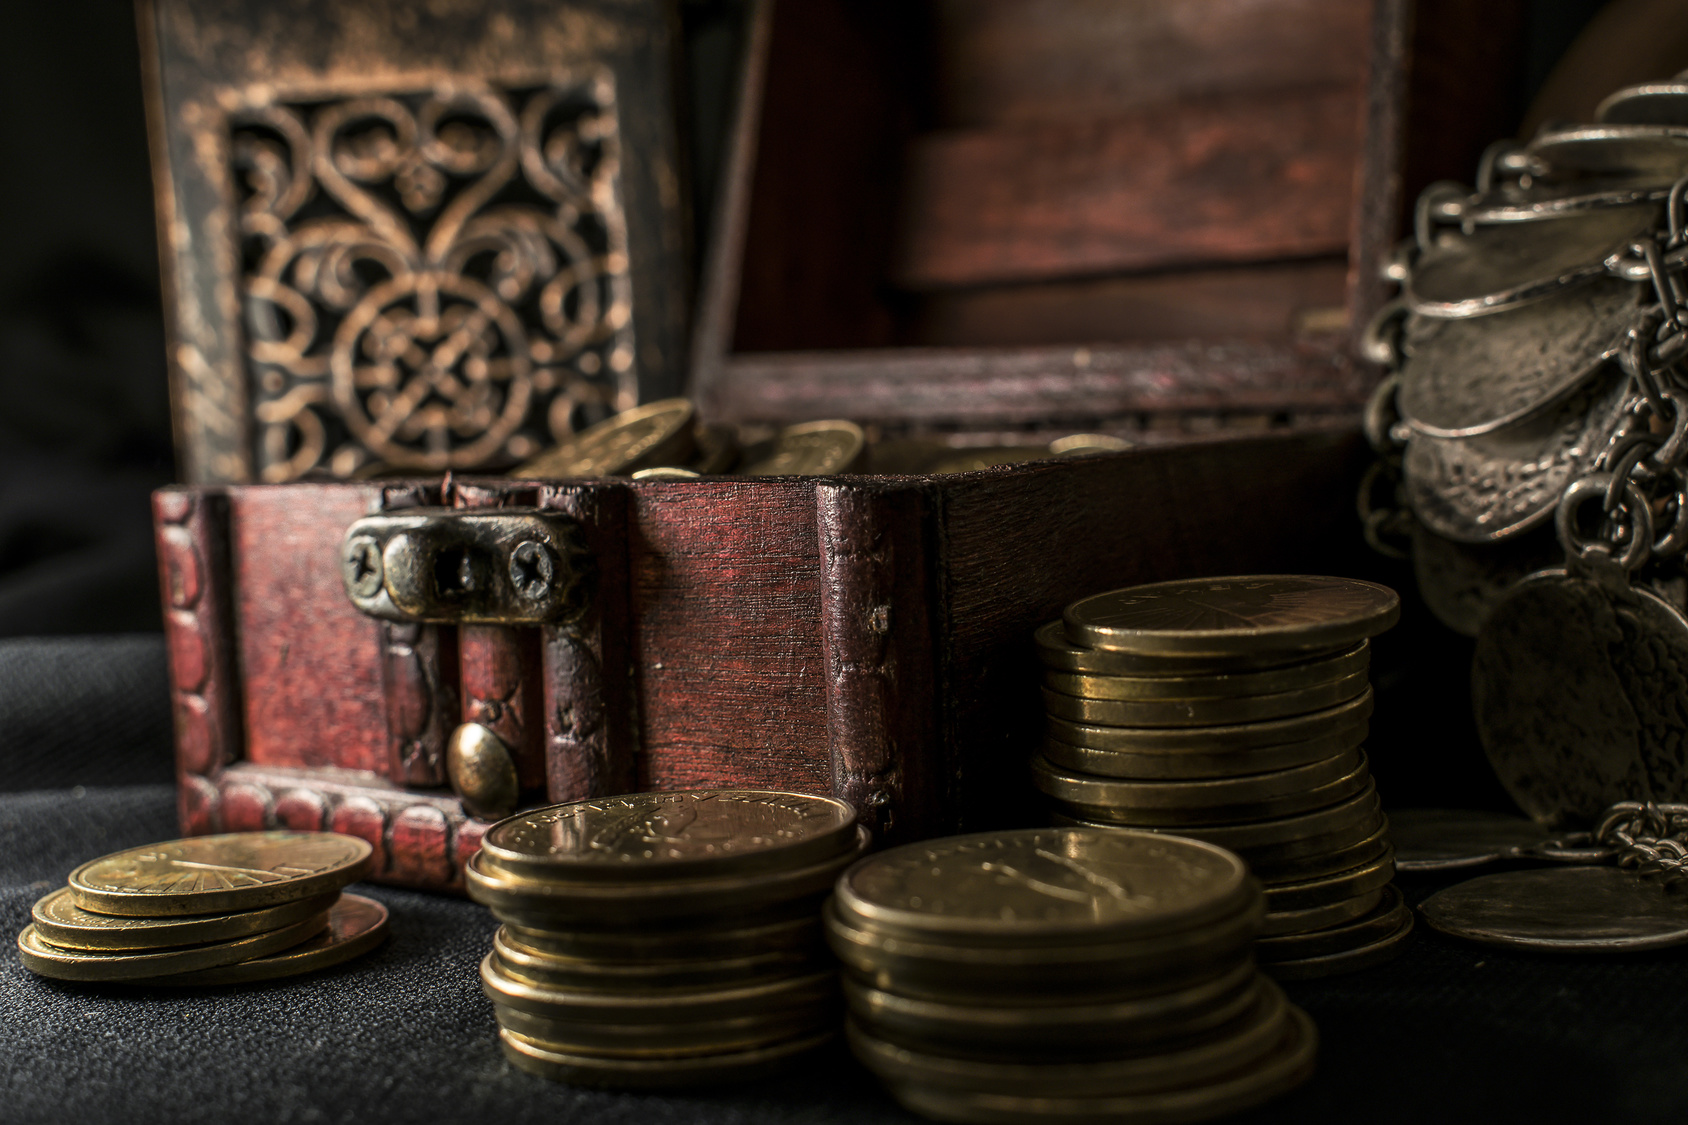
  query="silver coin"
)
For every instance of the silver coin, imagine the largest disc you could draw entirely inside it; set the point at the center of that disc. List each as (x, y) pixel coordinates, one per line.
(1562, 909)
(1652, 103)
(1497, 485)
(1452, 839)
(1474, 376)
(1577, 690)
(1463, 582)
(1612, 149)
(1501, 267)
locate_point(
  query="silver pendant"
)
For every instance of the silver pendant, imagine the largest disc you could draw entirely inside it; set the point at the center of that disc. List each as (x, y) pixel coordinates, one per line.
(1500, 484)
(1650, 151)
(1653, 103)
(1562, 909)
(1512, 203)
(1474, 376)
(1462, 583)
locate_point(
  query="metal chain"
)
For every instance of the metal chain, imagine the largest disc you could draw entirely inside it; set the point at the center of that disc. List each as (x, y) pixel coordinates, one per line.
(1649, 838)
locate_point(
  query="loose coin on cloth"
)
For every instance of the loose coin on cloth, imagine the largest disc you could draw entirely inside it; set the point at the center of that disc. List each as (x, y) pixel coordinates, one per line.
(1562, 909)
(355, 926)
(236, 871)
(60, 921)
(1428, 840)
(48, 960)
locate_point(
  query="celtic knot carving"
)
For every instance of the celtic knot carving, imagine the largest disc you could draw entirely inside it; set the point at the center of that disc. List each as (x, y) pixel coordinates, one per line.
(434, 279)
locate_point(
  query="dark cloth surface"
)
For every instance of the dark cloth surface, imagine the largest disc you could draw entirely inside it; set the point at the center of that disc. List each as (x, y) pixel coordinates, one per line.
(1449, 1031)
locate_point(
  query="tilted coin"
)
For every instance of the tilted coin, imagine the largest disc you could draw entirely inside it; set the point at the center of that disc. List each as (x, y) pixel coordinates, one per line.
(1249, 1038)
(1203, 712)
(1651, 103)
(47, 960)
(1576, 690)
(1045, 885)
(1373, 953)
(669, 1006)
(656, 433)
(1498, 485)
(1511, 264)
(1224, 616)
(537, 967)
(1288, 1066)
(665, 472)
(1193, 819)
(1612, 149)
(1271, 681)
(660, 837)
(1388, 915)
(216, 874)
(1452, 839)
(1220, 740)
(1061, 655)
(1305, 894)
(1562, 909)
(1286, 922)
(536, 1058)
(355, 926)
(593, 1036)
(62, 923)
(1175, 766)
(786, 931)
(809, 449)
(1473, 376)
(1197, 797)
(1073, 1031)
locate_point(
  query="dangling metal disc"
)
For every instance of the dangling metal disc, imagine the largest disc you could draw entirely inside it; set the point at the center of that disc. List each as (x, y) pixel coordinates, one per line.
(1463, 582)
(1562, 909)
(1469, 377)
(1497, 485)
(1613, 150)
(1511, 264)
(1579, 691)
(1653, 103)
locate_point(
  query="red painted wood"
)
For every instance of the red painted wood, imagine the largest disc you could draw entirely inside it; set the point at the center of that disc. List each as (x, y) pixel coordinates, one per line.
(310, 662)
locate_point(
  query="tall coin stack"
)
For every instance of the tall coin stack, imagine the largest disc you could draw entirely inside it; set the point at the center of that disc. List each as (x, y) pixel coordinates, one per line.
(1063, 974)
(663, 939)
(1233, 710)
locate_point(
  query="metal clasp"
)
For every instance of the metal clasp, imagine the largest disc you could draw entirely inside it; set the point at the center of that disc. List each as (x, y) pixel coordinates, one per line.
(508, 566)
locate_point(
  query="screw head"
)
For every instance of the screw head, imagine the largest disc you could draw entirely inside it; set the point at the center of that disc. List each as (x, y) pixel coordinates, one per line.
(532, 569)
(361, 566)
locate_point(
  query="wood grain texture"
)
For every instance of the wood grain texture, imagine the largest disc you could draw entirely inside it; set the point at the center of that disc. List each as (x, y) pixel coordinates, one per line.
(725, 612)
(1249, 178)
(311, 664)
(878, 595)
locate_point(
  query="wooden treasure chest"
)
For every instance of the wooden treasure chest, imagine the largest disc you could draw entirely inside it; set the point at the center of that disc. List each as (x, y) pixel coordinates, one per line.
(403, 257)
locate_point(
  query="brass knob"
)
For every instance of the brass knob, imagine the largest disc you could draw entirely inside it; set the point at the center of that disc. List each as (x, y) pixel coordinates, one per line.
(482, 772)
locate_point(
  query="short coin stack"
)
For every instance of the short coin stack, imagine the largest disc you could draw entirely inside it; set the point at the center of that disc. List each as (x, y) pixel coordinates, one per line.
(663, 939)
(1063, 974)
(229, 909)
(1233, 710)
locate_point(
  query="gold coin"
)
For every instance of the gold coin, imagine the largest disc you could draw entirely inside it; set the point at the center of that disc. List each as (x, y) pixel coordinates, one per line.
(1072, 1031)
(1113, 970)
(1196, 766)
(669, 837)
(1308, 893)
(1375, 952)
(1058, 654)
(657, 433)
(537, 967)
(1288, 1065)
(1195, 818)
(1388, 913)
(654, 1040)
(1196, 796)
(355, 926)
(549, 905)
(799, 933)
(219, 874)
(1044, 885)
(61, 922)
(1219, 617)
(1291, 922)
(1249, 1038)
(1217, 740)
(47, 960)
(665, 472)
(1204, 712)
(1272, 681)
(646, 1074)
(810, 449)
(673, 1006)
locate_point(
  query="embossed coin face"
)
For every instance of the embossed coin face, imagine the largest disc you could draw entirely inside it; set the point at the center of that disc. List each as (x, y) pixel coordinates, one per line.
(1510, 264)
(1241, 615)
(215, 874)
(1467, 377)
(663, 836)
(809, 449)
(1055, 883)
(1569, 909)
(655, 433)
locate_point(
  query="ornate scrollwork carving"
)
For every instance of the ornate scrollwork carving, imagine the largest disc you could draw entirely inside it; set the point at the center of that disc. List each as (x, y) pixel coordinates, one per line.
(433, 279)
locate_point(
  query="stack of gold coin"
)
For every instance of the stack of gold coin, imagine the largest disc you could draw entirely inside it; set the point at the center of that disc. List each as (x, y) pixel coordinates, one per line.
(1233, 710)
(230, 909)
(1064, 974)
(663, 939)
